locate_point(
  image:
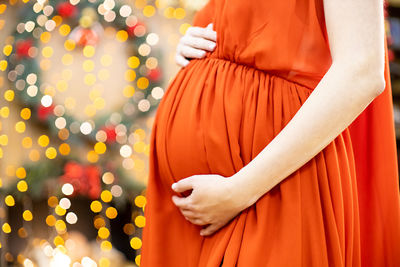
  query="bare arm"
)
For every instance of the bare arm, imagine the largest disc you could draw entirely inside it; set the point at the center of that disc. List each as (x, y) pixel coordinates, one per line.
(356, 38)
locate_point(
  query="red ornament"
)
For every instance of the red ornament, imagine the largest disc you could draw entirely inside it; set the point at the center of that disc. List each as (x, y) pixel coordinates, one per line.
(111, 134)
(66, 9)
(154, 74)
(22, 48)
(44, 112)
(84, 179)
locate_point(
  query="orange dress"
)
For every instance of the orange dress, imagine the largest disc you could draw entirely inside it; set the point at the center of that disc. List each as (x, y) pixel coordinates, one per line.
(339, 209)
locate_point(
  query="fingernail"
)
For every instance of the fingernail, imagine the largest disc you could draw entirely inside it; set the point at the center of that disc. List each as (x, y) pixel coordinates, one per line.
(173, 186)
(201, 234)
(202, 53)
(212, 46)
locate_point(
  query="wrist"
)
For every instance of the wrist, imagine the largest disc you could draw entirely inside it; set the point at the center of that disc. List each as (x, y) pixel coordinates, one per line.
(246, 190)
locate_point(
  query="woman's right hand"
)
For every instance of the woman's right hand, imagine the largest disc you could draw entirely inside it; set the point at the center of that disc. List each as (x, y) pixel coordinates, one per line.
(195, 43)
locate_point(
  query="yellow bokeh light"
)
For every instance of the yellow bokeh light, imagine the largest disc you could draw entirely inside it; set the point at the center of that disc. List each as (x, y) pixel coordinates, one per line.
(140, 221)
(6, 228)
(34, 155)
(133, 62)
(106, 246)
(106, 196)
(64, 149)
(51, 220)
(27, 215)
(69, 45)
(45, 37)
(100, 148)
(89, 51)
(169, 12)
(3, 8)
(103, 233)
(179, 13)
(52, 201)
(99, 103)
(60, 226)
(47, 51)
(62, 85)
(129, 91)
(20, 127)
(7, 49)
(58, 240)
(3, 65)
(130, 75)
(143, 82)
(4, 112)
(92, 156)
(9, 95)
(90, 110)
(57, 19)
(90, 79)
(20, 173)
(122, 36)
(67, 59)
(111, 213)
(9, 200)
(25, 113)
(51, 153)
(149, 11)
(27, 142)
(136, 243)
(140, 201)
(22, 186)
(96, 206)
(88, 65)
(64, 29)
(43, 140)
(59, 210)
(103, 262)
(139, 147)
(137, 260)
(184, 27)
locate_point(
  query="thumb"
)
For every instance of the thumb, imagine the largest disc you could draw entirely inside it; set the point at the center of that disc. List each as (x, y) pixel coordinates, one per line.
(210, 26)
(183, 185)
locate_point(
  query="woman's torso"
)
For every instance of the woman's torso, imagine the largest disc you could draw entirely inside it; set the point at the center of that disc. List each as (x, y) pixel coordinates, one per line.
(286, 38)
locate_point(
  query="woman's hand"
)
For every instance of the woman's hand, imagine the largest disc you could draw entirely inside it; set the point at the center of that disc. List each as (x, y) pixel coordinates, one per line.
(195, 43)
(214, 200)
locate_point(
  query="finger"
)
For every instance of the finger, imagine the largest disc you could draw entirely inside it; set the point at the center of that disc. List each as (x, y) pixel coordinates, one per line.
(181, 61)
(190, 52)
(189, 213)
(209, 230)
(202, 32)
(198, 42)
(181, 202)
(183, 185)
(210, 26)
(196, 221)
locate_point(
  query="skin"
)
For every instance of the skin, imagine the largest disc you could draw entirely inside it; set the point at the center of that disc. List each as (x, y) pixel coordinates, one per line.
(356, 77)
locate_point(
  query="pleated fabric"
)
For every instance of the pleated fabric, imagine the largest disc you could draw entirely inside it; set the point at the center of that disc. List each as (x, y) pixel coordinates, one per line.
(219, 112)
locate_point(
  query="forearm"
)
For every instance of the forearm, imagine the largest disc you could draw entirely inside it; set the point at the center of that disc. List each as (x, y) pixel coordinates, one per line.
(338, 99)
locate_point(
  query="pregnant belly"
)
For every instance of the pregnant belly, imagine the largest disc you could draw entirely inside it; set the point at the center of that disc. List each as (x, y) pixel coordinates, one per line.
(217, 115)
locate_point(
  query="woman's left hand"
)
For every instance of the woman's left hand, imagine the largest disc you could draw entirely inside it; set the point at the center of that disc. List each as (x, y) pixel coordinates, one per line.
(214, 200)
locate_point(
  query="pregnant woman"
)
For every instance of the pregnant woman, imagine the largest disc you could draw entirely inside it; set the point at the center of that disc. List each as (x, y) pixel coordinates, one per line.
(266, 150)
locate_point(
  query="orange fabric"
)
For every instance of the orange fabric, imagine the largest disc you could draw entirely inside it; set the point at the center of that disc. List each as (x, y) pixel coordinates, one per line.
(339, 209)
